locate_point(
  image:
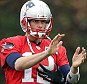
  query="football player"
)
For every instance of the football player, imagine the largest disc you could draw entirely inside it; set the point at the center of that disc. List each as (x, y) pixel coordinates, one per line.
(31, 58)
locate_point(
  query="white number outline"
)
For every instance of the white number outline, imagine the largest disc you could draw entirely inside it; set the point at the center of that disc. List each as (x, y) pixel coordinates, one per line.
(28, 72)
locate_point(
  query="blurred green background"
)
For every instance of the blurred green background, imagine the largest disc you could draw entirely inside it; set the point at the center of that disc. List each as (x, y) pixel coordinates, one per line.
(69, 17)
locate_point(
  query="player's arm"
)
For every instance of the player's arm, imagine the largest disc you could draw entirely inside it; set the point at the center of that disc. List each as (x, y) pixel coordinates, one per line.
(18, 62)
(29, 61)
(78, 58)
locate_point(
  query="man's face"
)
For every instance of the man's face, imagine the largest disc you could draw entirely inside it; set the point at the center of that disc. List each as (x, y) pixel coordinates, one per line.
(38, 27)
(38, 24)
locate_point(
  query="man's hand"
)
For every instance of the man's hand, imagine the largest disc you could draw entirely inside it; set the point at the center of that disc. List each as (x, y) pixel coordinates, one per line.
(55, 44)
(78, 59)
(53, 77)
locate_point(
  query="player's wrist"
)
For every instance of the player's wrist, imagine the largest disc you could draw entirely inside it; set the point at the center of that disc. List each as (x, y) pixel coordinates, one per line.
(74, 70)
(47, 53)
(73, 78)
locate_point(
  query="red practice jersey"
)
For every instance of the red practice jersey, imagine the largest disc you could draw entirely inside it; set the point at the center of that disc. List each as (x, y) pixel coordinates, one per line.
(29, 76)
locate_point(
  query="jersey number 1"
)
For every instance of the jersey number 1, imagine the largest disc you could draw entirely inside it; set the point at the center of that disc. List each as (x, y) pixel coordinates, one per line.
(28, 73)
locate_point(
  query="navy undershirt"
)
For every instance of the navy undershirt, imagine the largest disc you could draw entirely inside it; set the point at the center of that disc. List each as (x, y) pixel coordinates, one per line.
(12, 58)
(65, 69)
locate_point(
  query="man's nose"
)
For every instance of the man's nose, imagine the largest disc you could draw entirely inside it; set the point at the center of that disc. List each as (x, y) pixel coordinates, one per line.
(40, 25)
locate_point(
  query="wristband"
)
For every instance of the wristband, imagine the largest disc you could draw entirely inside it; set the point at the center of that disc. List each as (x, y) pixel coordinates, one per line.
(73, 78)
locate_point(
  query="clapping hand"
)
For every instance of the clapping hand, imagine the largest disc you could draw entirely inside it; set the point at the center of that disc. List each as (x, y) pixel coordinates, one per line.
(55, 44)
(78, 57)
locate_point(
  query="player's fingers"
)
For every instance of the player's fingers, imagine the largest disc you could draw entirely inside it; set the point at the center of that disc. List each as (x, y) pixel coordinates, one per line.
(83, 59)
(57, 38)
(83, 53)
(52, 42)
(59, 44)
(83, 50)
(84, 56)
(60, 36)
(77, 51)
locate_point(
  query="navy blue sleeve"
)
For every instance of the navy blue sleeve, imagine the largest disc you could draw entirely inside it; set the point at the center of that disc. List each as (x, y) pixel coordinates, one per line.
(10, 60)
(65, 69)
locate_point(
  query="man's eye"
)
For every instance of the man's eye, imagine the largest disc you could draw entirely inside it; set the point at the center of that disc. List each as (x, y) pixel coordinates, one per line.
(36, 21)
(47, 21)
(44, 21)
